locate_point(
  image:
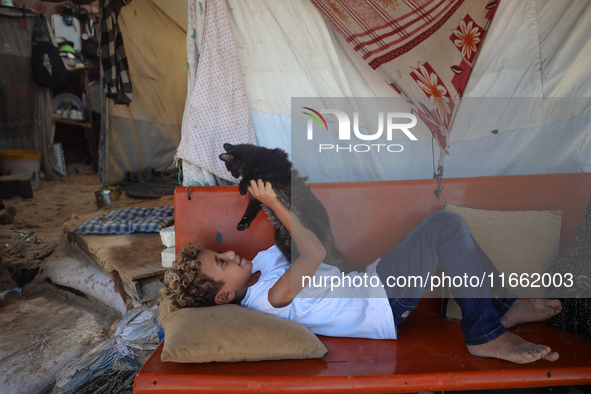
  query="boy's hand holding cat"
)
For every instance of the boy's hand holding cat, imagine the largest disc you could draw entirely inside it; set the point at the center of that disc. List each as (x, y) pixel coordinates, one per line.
(263, 191)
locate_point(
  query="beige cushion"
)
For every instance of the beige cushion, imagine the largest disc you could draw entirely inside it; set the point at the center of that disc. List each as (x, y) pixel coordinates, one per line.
(233, 333)
(515, 241)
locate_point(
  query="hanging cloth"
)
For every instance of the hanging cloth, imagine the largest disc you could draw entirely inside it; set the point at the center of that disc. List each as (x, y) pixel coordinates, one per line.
(217, 110)
(113, 59)
(425, 50)
(48, 67)
(192, 174)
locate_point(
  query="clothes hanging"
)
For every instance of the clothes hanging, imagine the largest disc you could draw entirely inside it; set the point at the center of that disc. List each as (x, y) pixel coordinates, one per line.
(217, 110)
(113, 59)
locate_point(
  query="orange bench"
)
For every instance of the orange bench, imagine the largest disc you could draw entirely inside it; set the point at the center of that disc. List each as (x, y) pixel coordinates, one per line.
(368, 219)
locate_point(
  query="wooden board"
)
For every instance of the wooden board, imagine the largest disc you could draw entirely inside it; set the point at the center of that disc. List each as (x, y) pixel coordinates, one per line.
(127, 258)
(132, 256)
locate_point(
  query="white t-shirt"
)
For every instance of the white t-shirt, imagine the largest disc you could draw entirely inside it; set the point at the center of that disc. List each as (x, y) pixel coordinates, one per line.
(356, 305)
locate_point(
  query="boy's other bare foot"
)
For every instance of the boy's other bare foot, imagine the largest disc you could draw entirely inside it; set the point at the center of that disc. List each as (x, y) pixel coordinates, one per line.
(511, 347)
(525, 310)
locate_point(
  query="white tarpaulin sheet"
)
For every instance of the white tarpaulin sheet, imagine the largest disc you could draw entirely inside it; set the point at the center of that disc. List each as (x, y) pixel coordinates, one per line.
(535, 50)
(526, 108)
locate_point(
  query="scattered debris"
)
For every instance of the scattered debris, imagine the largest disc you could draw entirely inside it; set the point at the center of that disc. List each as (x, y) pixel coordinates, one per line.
(15, 290)
(111, 380)
(39, 340)
(7, 215)
(136, 332)
(24, 249)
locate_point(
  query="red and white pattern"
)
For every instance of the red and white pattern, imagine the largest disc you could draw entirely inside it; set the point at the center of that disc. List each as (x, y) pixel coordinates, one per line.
(467, 37)
(425, 49)
(431, 84)
(376, 26)
(217, 110)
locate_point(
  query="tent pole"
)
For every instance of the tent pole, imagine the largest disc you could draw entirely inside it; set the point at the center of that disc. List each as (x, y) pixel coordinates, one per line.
(104, 136)
(105, 131)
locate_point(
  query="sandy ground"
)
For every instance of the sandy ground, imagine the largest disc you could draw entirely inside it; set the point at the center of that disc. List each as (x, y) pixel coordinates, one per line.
(45, 327)
(55, 202)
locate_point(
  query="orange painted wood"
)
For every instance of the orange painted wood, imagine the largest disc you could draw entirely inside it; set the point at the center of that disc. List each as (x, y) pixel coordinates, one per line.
(429, 355)
(368, 219)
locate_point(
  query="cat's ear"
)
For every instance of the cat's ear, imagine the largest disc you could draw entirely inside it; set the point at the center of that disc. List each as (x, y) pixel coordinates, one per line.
(228, 147)
(281, 153)
(228, 158)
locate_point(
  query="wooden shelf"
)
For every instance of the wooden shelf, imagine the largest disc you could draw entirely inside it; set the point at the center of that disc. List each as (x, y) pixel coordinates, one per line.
(77, 69)
(87, 123)
(73, 123)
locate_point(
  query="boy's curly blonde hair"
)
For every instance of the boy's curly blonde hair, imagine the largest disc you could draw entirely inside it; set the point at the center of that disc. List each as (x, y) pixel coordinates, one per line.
(185, 285)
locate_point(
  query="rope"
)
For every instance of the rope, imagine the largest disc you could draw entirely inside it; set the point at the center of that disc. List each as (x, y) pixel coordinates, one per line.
(178, 165)
(179, 176)
(437, 174)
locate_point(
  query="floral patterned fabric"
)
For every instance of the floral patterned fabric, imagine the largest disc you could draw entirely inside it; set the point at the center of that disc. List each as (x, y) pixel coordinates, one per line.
(216, 110)
(425, 49)
(194, 175)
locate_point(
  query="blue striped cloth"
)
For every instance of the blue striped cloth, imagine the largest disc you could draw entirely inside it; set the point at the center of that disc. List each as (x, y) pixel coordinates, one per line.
(129, 220)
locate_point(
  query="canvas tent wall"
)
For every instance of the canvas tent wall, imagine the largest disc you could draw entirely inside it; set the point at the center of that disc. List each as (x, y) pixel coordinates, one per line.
(525, 110)
(145, 134)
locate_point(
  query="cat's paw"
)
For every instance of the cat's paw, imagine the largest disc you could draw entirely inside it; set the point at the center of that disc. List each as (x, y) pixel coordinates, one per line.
(243, 188)
(243, 225)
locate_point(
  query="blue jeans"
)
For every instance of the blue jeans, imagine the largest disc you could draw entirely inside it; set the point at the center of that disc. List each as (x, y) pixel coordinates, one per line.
(444, 241)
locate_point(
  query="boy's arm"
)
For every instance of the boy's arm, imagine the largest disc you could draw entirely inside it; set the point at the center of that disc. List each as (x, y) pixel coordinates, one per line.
(311, 250)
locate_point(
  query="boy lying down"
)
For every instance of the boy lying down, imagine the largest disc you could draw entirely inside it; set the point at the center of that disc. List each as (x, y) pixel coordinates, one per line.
(201, 277)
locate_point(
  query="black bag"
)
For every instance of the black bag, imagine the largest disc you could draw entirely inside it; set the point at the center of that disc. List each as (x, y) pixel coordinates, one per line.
(90, 44)
(48, 68)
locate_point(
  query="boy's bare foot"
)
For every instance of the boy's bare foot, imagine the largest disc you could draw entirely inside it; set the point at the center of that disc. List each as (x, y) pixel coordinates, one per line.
(525, 310)
(511, 347)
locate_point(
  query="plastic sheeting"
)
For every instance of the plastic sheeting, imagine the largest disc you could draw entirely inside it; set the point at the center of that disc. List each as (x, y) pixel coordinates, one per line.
(535, 49)
(82, 275)
(136, 331)
(532, 85)
(549, 63)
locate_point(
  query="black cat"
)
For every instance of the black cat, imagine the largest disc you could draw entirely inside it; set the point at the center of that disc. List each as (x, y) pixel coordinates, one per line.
(272, 165)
